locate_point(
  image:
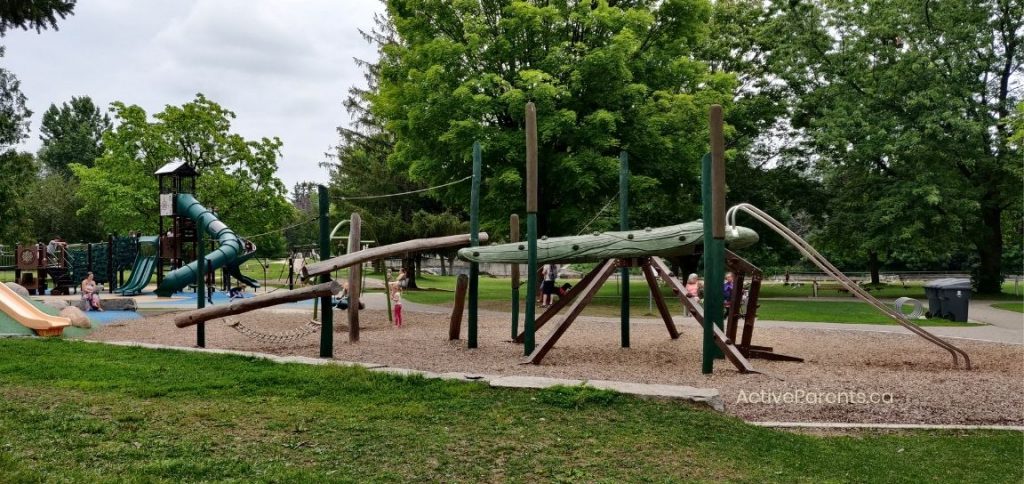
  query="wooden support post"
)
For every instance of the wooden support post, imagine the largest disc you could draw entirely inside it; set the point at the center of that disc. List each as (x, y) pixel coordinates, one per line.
(326, 311)
(513, 224)
(561, 303)
(718, 336)
(751, 314)
(605, 271)
(624, 225)
(455, 323)
(659, 301)
(529, 340)
(735, 301)
(474, 229)
(355, 279)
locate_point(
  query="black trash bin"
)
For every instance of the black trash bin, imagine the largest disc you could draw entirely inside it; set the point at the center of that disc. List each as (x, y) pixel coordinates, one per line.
(953, 296)
(931, 290)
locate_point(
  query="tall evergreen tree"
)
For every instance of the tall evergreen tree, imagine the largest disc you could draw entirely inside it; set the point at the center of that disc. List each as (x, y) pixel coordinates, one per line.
(33, 14)
(72, 133)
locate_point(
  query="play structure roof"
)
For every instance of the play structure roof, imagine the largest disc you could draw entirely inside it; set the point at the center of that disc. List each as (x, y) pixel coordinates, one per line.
(176, 168)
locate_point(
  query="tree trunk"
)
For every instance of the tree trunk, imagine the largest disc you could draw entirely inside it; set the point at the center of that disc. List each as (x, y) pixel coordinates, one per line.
(451, 265)
(989, 273)
(444, 270)
(419, 265)
(874, 266)
(409, 264)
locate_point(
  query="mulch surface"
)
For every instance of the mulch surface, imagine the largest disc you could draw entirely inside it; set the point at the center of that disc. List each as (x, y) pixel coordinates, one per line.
(901, 378)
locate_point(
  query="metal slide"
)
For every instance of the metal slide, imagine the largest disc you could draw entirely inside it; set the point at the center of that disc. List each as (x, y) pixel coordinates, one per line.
(142, 272)
(819, 260)
(231, 247)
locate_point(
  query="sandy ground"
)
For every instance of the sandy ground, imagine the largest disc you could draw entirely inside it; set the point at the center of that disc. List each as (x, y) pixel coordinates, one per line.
(910, 380)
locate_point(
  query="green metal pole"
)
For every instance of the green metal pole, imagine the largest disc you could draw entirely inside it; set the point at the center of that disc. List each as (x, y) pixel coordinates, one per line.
(712, 273)
(531, 229)
(474, 240)
(326, 311)
(200, 282)
(513, 224)
(624, 225)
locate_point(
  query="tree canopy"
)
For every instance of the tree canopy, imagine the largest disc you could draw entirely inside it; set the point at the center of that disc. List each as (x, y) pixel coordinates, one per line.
(33, 14)
(605, 76)
(72, 133)
(905, 106)
(237, 176)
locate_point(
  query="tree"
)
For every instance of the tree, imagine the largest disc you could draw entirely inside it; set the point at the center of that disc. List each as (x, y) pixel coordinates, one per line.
(908, 105)
(17, 174)
(237, 176)
(33, 14)
(72, 133)
(16, 169)
(48, 215)
(306, 208)
(605, 76)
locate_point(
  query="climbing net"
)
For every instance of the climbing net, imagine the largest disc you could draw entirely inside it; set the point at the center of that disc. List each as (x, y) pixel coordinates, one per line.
(277, 338)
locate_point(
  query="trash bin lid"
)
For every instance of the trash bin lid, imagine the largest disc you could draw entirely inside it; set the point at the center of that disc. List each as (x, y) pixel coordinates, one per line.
(937, 283)
(953, 284)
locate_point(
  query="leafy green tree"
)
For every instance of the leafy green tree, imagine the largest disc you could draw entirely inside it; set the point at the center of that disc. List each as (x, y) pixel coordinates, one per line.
(17, 175)
(305, 202)
(72, 133)
(16, 169)
(907, 105)
(237, 176)
(33, 14)
(48, 215)
(605, 76)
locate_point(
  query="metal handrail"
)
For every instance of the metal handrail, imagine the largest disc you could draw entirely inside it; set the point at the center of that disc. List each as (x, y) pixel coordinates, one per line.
(819, 260)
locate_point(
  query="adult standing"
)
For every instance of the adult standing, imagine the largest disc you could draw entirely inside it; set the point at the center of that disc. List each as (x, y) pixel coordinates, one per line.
(547, 287)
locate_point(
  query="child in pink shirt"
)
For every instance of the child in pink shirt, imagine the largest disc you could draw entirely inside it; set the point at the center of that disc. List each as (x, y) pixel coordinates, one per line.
(396, 305)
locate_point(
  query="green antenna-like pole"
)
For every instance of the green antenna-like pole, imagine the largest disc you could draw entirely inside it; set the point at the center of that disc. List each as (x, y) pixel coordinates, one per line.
(200, 283)
(474, 240)
(624, 225)
(326, 311)
(531, 228)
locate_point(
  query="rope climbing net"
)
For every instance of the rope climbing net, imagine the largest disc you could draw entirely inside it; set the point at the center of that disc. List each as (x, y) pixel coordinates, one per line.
(277, 338)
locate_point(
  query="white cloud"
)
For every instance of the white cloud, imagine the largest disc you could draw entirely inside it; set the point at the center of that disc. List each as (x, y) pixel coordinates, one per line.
(283, 67)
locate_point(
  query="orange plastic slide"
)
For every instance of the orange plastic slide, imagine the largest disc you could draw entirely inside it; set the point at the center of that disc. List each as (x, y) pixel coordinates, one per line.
(30, 316)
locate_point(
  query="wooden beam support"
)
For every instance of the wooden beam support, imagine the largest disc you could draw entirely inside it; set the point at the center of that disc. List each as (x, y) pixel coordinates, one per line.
(605, 270)
(659, 301)
(380, 252)
(455, 323)
(561, 303)
(240, 306)
(732, 353)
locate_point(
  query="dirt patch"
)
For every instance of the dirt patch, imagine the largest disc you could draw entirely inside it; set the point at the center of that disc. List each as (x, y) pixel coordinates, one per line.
(901, 378)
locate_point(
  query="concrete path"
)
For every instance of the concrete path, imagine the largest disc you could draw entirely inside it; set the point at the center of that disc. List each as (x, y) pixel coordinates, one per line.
(701, 396)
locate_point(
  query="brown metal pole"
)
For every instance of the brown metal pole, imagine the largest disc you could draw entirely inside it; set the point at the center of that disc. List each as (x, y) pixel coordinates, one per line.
(717, 173)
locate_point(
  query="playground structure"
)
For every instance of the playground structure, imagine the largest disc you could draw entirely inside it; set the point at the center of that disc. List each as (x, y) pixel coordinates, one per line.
(69, 265)
(612, 250)
(30, 316)
(180, 239)
(642, 249)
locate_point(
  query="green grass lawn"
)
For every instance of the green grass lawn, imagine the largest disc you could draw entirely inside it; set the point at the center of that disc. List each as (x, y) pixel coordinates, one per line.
(495, 295)
(1017, 306)
(109, 413)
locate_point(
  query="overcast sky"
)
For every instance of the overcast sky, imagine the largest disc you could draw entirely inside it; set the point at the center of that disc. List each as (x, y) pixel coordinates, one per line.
(284, 67)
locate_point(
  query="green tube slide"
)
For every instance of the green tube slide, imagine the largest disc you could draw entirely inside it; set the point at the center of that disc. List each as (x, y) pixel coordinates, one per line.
(231, 246)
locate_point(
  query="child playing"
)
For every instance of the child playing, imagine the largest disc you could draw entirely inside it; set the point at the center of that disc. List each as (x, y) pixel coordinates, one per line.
(396, 305)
